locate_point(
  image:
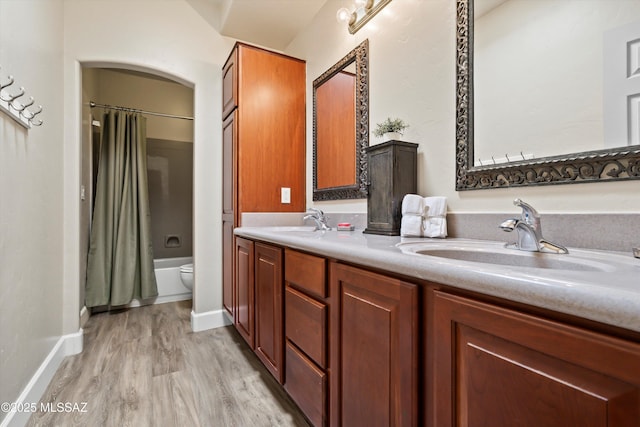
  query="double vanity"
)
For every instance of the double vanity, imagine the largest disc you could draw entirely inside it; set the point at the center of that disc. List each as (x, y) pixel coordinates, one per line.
(363, 329)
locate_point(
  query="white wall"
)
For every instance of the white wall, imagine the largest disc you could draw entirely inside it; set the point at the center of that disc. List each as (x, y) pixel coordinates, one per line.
(412, 76)
(31, 194)
(166, 38)
(149, 93)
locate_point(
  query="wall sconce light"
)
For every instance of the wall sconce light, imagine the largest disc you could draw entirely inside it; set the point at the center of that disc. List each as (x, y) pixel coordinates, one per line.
(361, 12)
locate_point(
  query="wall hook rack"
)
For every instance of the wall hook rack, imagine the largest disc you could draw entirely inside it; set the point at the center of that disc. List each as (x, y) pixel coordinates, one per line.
(18, 111)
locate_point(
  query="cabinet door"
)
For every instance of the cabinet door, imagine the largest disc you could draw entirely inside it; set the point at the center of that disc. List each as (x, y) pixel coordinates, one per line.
(244, 289)
(374, 349)
(500, 368)
(228, 294)
(307, 385)
(268, 316)
(228, 211)
(230, 84)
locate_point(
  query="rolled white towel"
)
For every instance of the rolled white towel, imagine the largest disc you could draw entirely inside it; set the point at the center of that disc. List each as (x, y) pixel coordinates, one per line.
(411, 225)
(412, 204)
(435, 224)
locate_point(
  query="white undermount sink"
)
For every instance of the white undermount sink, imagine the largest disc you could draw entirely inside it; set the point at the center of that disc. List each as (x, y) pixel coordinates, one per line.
(494, 253)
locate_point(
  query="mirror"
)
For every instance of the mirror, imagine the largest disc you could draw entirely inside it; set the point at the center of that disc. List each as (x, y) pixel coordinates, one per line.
(341, 128)
(493, 149)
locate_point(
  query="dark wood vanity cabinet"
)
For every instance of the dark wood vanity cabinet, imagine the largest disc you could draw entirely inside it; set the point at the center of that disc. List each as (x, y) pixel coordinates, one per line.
(362, 348)
(498, 367)
(259, 291)
(374, 349)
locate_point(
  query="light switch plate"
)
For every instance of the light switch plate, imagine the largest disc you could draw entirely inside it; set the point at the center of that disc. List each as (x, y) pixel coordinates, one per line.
(285, 195)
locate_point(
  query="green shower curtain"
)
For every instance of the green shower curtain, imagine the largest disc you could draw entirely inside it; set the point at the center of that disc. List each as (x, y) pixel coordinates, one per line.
(120, 261)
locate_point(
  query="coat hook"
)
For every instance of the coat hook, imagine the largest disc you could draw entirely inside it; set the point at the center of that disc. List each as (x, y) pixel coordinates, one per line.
(20, 108)
(13, 97)
(8, 84)
(18, 111)
(28, 114)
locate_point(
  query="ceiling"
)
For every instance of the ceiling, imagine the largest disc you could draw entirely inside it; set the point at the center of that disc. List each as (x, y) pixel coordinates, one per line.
(268, 23)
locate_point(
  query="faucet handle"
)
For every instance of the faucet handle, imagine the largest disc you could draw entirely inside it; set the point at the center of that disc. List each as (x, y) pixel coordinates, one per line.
(529, 214)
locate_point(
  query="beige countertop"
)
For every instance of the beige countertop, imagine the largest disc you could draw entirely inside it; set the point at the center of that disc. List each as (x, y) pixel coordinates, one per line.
(609, 293)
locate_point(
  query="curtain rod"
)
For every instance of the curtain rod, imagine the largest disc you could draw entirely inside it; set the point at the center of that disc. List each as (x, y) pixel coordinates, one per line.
(173, 116)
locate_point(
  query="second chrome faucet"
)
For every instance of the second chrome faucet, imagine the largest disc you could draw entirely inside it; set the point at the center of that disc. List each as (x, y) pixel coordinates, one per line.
(319, 217)
(529, 231)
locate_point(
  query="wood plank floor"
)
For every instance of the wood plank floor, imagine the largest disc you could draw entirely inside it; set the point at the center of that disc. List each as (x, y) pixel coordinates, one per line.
(144, 367)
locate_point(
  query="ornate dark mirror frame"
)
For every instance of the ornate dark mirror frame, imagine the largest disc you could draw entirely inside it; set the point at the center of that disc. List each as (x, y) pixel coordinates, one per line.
(359, 55)
(590, 166)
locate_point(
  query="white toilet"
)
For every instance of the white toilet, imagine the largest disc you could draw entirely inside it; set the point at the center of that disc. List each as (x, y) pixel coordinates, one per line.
(186, 275)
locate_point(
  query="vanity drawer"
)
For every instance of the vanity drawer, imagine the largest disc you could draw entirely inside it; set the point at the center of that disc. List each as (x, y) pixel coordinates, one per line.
(307, 385)
(306, 324)
(306, 272)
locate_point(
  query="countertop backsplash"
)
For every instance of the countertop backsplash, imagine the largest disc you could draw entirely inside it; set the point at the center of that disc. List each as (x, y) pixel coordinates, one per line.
(610, 232)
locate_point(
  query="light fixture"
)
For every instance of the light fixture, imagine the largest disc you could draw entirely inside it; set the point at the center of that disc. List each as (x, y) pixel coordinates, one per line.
(343, 14)
(361, 12)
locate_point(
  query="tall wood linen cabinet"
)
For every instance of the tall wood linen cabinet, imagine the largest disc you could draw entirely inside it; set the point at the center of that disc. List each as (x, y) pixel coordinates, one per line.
(263, 110)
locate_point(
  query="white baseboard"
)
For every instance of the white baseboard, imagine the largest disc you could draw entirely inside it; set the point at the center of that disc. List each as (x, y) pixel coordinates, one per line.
(209, 320)
(67, 345)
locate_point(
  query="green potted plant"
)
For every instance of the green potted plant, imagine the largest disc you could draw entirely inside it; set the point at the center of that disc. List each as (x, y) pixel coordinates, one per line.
(390, 129)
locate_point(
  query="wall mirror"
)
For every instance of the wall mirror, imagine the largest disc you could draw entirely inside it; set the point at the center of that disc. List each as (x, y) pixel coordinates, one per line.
(548, 92)
(341, 128)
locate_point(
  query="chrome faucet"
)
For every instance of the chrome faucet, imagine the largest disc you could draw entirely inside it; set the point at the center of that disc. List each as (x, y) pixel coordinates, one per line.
(319, 217)
(529, 230)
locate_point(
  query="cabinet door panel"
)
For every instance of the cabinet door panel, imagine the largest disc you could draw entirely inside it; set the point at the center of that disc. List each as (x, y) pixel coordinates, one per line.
(306, 324)
(230, 84)
(307, 385)
(268, 306)
(306, 272)
(496, 367)
(244, 290)
(228, 294)
(374, 349)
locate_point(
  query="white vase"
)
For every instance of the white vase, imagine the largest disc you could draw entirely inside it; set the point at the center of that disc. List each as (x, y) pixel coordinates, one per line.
(389, 136)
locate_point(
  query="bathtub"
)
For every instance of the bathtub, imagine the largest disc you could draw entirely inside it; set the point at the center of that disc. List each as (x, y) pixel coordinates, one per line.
(170, 287)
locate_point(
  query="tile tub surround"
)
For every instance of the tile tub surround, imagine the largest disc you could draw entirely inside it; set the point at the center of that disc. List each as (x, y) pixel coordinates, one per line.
(612, 298)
